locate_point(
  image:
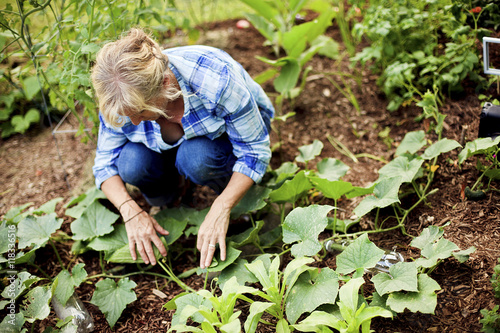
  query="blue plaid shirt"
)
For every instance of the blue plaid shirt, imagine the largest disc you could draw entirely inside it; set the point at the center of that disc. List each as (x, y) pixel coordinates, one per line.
(219, 97)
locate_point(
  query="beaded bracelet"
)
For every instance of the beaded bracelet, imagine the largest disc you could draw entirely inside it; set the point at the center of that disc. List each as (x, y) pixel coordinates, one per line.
(120, 207)
(130, 219)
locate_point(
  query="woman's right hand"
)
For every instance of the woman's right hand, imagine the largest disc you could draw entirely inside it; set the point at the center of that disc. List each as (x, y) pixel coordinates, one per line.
(142, 231)
(141, 227)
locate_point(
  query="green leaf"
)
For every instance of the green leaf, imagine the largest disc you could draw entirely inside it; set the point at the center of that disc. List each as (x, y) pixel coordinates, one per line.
(294, 269)
(403, 167)
(463, 256)
(309, 152)
(192, 216)
(289, 75)
(425, 300)
(256, 311)
(402, 276)
(286, 170)
(249, 236)
(111, 242)
(48, 207)
(122, 255)
(331, 169)
(259, 270)
(16, 211)
(66, 282)
(13, 324)
(36, 303)
(349, 294)
(303, 225)
(175, 228)
(319, 319)
(112, 298)
(231, 255)
(264, 9)
(433, 252)
(239, 270)
(31, 87)
(37, 230)
(83, 201)
(309, 292)
(478, 146)
(95, 221)
(253, 200)
(22, 123)
(385, 194)
(291, 190)
(411, 143)
(428, 236)
(282, 326)
(23, 281)
(332, 189)
(361, 254)
(192, 299)
(440, 147)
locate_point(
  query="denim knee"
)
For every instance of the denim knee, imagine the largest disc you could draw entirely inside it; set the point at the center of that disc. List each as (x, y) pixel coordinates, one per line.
(153, 173)
(137, 164)
(206, 162)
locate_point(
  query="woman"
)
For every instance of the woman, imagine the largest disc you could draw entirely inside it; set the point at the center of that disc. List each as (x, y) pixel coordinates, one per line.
(185, 113)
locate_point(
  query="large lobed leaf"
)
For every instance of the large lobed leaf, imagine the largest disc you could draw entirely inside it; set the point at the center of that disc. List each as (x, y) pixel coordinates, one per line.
(425, 300)
(310, 291)
(66, 282)
(36, 231)
(292, 189)
(361, 254)
(95, 221)
(303, 225)
(385, 194)
(112, 298)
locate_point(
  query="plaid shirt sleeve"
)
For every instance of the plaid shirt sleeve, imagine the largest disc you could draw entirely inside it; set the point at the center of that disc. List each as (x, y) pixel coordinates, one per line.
(109, 146)
(245, 128)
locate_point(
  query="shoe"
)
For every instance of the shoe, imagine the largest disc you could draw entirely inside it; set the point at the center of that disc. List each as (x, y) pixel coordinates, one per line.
(156, 209)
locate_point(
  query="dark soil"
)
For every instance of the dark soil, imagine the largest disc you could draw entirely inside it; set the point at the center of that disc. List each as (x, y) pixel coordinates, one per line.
(32, 172)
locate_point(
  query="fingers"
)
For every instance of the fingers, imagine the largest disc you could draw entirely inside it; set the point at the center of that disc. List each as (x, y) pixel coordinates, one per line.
(159, 228)
(209, 254)
(207, 249)
(142, 235)
(222, 246)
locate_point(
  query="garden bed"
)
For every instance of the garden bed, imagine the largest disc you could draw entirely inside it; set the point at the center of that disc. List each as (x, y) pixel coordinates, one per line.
(31, 172)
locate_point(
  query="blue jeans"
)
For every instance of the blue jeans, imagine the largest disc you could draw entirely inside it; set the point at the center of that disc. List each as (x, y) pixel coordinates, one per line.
(158, 176)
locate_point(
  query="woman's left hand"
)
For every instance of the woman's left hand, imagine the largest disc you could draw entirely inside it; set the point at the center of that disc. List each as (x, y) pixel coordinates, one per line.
(213, 230)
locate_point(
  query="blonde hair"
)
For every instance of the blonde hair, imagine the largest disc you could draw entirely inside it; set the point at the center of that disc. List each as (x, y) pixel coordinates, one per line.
(129, 73)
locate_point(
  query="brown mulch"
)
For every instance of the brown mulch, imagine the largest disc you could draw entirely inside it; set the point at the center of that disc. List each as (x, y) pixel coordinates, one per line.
(32, 172)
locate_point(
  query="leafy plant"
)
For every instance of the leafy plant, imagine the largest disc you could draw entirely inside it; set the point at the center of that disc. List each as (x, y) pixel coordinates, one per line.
(406, 48)
(275, 20)
(490, 320)
(353, 316)
(211, 311)
(488, 148)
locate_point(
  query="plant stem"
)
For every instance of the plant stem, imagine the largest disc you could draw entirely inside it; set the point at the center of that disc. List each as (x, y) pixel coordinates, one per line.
(127, 275)
(341, 148)
(57, 254)
(41, 271)
(174, 278)
(373, 157)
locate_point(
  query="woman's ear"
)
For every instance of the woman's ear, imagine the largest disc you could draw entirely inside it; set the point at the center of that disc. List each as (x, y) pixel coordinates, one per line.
(166, 80)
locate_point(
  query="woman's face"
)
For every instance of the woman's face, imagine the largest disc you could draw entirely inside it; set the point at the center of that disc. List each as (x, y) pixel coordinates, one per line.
(137, 117)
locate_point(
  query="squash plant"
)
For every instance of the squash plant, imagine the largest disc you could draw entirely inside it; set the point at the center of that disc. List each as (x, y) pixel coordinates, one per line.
(275, 20)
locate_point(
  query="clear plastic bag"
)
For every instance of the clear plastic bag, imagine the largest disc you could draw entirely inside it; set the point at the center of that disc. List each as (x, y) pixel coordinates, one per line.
(74, 307)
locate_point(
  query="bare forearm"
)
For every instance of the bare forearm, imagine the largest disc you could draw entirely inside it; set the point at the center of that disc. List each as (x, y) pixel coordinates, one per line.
(238, 186)
(117, 193)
